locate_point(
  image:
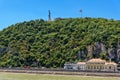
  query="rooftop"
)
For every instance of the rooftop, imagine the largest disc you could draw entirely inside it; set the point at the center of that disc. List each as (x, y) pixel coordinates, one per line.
(97, 60)
(110, 63)
(81, 63)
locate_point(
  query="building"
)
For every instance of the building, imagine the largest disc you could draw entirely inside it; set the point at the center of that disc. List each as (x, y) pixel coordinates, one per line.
(81, 65)
(70, 66)
(111, 66)
(93, 65)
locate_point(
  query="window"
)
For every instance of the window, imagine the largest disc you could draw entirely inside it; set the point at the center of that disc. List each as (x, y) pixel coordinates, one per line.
(110, 67)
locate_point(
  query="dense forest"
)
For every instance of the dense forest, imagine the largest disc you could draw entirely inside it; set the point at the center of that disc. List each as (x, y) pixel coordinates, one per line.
(40, 43)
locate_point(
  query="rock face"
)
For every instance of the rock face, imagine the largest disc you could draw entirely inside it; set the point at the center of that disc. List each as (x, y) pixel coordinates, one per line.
(90, 50)
(81, 55)
(8, 49)
(5, 50)
(111, 53)
(94, 51)
(118, 53)
(97, 49)
(1, 49)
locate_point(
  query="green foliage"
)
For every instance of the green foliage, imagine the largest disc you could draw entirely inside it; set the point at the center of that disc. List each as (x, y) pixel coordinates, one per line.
(40, 43)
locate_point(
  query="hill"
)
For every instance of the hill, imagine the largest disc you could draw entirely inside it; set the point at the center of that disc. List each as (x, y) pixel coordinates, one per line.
(39, 43)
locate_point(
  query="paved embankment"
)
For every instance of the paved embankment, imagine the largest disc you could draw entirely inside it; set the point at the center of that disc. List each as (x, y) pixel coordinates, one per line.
(58, 72)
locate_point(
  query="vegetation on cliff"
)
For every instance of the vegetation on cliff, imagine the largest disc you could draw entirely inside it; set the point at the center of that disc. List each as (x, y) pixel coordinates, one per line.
(40, 43)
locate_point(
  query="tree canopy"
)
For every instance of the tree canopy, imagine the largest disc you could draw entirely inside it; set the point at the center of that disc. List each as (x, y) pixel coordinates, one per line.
(40, 43)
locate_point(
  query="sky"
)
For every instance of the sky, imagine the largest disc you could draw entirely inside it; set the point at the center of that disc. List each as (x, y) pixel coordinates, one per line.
(15, 11)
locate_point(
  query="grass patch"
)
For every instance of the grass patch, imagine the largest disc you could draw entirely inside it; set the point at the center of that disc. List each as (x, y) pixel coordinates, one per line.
(24, 76)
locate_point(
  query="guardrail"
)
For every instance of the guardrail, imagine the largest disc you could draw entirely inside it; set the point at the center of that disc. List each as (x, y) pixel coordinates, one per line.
(56, 69)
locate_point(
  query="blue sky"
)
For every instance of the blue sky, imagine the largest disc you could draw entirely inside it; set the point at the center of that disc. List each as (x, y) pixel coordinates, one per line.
(13, 11)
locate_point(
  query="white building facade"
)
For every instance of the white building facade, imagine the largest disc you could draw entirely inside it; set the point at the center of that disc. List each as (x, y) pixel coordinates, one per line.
(93, 65)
